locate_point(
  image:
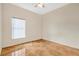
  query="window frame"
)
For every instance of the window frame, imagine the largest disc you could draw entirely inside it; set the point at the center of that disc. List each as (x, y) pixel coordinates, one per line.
(13, 29)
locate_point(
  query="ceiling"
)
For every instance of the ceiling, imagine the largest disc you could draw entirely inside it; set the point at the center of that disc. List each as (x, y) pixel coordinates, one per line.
(49, 7)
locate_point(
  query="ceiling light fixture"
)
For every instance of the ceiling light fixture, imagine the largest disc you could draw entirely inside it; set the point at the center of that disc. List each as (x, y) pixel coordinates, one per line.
(41, 5)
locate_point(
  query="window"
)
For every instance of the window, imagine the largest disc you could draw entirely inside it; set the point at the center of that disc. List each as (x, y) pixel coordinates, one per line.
(18, 28)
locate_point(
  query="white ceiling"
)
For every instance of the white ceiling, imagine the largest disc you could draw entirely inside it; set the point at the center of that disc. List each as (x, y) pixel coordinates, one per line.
(49, 7)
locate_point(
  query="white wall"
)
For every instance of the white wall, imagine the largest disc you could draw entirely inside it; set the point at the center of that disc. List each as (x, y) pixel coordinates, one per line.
(0, 26)
(33, 24)
(62, 25)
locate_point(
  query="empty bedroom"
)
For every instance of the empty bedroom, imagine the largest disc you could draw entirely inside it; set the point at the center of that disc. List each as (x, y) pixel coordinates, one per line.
(39, 29)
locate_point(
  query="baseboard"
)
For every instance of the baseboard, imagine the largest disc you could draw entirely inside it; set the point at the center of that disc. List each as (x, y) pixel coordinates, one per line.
(62, 44)
(21, 43)
(46, 40)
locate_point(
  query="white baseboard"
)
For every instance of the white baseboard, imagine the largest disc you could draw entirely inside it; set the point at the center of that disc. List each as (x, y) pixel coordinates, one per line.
(4, 46)
(63, 44)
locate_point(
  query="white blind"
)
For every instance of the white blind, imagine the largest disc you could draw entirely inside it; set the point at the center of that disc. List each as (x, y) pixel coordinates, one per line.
(18, 28)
